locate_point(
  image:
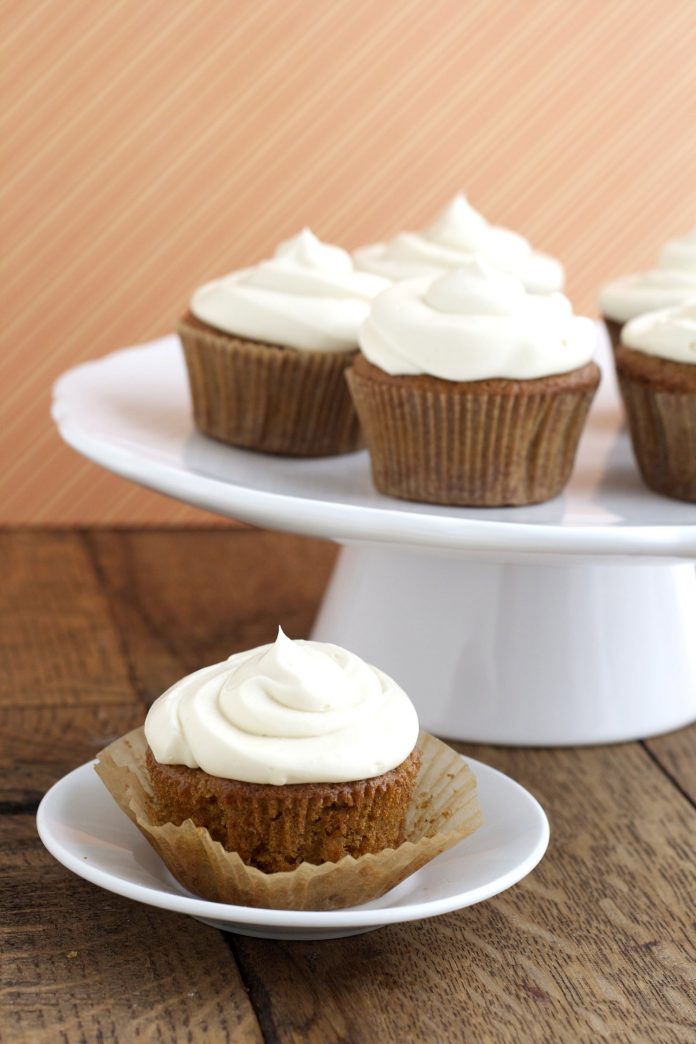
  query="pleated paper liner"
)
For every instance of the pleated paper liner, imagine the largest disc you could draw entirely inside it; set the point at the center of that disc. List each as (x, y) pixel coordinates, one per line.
(480, 443)
(443, 811)
(264, 397)
(660, 400)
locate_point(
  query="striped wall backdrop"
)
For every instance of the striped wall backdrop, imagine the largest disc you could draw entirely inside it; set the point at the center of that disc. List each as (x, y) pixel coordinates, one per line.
(149, 145)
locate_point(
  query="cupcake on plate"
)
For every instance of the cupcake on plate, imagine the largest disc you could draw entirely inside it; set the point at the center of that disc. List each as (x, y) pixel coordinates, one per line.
(458, 233)
(266, 349)
(670, 283)
(656, 364)
(294, 752)
(292, 775)
(472, 391)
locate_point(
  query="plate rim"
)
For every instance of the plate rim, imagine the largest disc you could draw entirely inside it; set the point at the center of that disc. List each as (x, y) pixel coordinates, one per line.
(279, 918)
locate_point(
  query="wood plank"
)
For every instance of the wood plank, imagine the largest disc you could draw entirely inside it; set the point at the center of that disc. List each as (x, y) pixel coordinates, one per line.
(66, 690)
(57, 641)
(676, 753)
(596, 944)
(183, 599)
(64, 684)
(37, 747)
(80, 964)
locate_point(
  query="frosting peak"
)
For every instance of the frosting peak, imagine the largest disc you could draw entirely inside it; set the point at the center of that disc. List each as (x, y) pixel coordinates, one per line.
(299, 677)
(669, 333)
(458, 222)
(305, 249)
(458, 233)
(475, 287)
(474, 324)
(666, 286)
(307, 296)
(679, 253)
(289, 712)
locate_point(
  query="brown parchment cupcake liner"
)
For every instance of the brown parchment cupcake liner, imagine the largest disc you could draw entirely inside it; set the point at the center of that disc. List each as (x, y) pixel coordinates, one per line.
(268, 398)
(442, 811)
(482, 443)
(660, 400)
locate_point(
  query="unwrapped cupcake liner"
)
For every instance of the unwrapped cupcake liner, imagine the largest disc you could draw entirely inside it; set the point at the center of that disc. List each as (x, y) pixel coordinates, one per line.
(444, 443)
(443, 810)
(661, 413)
(268, 398)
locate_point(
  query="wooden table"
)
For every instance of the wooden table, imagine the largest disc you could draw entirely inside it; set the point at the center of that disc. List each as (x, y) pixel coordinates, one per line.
(597, 944)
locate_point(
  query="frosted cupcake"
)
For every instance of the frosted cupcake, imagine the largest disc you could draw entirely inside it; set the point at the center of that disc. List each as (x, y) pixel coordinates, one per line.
(290, 776)
(670, 283)
(266, 350)
(458, 233)
(293, 752)
(471, 390)
(656, 364)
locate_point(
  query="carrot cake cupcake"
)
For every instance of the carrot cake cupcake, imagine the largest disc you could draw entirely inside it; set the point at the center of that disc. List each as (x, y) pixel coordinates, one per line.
(471, 390)
(266, 350)
(656, 364)
(291, 776)
(670, 283)
(294, 752)
(458, 233)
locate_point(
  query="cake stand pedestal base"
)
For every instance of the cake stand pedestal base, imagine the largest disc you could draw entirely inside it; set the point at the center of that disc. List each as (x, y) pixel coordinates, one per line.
(525, 655)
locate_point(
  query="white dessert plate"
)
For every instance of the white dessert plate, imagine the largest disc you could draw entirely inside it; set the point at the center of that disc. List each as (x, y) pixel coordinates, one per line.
(130, 412)
(81, 825)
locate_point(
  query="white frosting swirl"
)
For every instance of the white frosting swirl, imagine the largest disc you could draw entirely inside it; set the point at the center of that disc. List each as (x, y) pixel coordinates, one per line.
(289, 712)
(307, 296)
(459, 232)
(669, 333)
(667, 285)
(472, 324)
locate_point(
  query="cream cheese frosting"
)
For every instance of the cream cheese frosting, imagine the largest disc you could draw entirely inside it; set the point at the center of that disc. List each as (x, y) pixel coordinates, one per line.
(667, 285)
(669, 333)
(473, 324)
(307, 296)
(459, 232)
(288, 712)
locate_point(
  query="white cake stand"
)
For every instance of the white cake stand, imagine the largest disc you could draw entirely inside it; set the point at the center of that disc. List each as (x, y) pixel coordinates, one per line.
(570, 622)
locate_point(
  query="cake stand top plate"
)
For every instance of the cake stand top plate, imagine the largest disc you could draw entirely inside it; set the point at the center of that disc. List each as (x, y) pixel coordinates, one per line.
(130, 412)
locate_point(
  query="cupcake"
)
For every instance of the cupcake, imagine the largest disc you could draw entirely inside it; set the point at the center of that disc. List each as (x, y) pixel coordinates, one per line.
(457, 234)
(667, 285)
(266, 349)
(472, 391)
(290, 775)
(294, 752)
(656, 364)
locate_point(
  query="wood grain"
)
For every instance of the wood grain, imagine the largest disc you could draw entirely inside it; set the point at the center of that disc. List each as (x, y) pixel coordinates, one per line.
(58, 643)
(184, 599)
(596, 945)
(81, 964)
(675, 752)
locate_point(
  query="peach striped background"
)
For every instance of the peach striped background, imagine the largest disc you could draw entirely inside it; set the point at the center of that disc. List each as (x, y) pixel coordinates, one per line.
(151, 144)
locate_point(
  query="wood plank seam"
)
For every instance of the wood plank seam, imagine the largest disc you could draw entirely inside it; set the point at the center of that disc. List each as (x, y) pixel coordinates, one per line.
(103, 585)
(666, 771)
